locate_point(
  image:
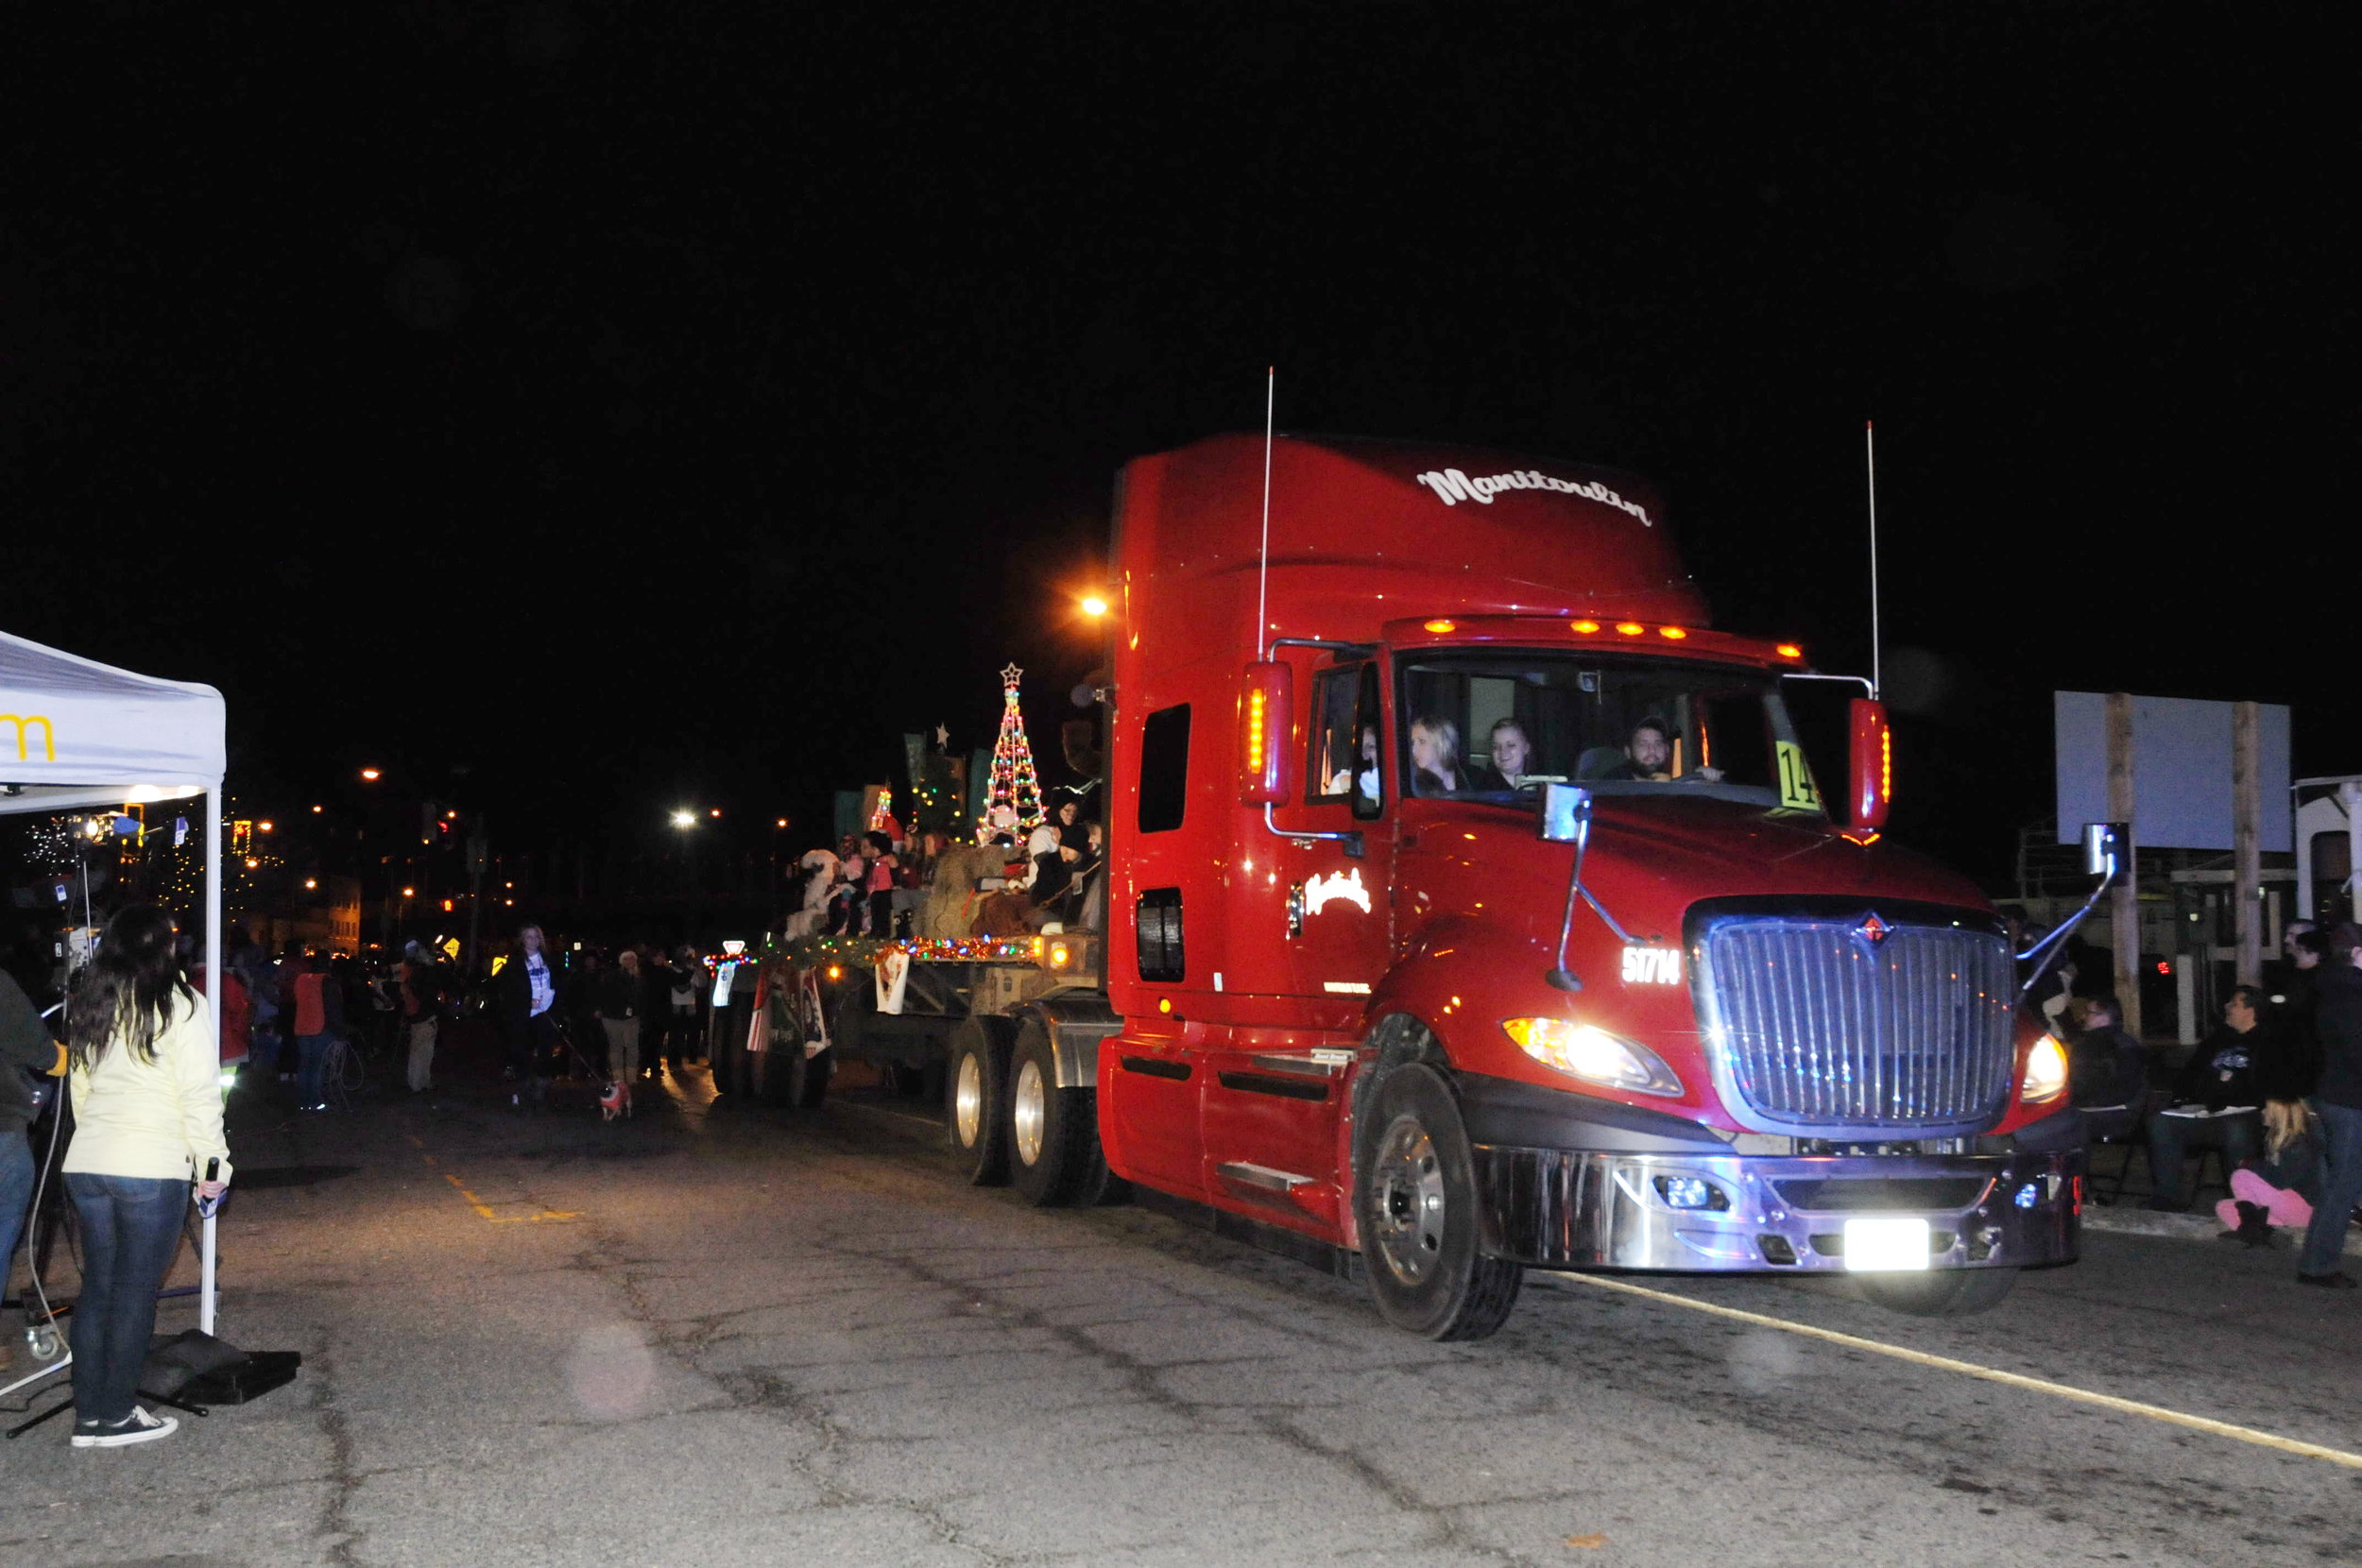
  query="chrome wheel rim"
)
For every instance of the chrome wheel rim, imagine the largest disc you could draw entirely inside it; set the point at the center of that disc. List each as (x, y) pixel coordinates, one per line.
(1029, 1112)
(1407, 1201)
(967, 1101)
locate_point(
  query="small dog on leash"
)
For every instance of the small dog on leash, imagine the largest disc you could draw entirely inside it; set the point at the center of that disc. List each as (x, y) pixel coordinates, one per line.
(615, 1100)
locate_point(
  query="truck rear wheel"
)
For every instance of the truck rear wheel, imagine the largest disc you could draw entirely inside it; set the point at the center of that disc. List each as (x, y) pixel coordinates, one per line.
(1054, 1157)
(808, 1077)
(1940, 1293)
(975, 1101)
(1414, 1198)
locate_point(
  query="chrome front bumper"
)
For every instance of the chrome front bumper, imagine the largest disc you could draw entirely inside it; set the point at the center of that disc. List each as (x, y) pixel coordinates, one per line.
(1569, 1209)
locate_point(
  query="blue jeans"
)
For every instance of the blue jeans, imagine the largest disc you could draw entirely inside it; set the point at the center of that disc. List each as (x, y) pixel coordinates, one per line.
(312, 1060)
(16, 1195)
(130, 1229)
(2341, 1187)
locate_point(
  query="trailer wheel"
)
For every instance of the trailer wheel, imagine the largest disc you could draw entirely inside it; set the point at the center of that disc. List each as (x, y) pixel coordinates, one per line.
(1940, 1293)
(808, 1077)
(975, 1114)
(1054, 1157)
(1414, 1197)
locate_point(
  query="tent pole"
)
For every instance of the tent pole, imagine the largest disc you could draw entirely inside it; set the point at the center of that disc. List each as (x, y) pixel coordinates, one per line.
(215, 984)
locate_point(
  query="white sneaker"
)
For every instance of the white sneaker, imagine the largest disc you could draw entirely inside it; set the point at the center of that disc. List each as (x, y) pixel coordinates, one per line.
(139, 1426)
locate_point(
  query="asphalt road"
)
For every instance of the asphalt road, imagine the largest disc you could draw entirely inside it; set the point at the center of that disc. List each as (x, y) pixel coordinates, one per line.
(716, 1336)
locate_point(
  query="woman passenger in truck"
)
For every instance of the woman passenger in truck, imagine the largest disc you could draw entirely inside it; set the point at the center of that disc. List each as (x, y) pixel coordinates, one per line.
(1435, 757)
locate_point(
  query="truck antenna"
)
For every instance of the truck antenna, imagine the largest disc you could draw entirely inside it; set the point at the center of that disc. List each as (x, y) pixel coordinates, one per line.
(1870, 454)
(1262, 575)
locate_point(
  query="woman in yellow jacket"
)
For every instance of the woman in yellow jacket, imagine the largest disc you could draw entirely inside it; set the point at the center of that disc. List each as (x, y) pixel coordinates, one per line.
(146, 1124)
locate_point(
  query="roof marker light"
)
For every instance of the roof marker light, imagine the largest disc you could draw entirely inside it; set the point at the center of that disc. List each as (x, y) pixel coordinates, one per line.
(1586, 628)
(1673, 634)
(1630, 628)
(1440, 627)
(1789, 650)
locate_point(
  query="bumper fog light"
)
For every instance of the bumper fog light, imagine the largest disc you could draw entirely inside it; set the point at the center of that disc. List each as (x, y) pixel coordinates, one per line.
(1692, 1192)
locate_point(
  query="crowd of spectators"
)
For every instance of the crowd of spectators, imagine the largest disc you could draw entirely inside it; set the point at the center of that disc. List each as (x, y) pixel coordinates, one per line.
(2275, 1086)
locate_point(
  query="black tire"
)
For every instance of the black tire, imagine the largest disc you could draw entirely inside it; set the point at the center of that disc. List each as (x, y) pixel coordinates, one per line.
(1938, 1293)
(1415, 1205)
(808, 1077)
(1054, 1157)
(975, 1101)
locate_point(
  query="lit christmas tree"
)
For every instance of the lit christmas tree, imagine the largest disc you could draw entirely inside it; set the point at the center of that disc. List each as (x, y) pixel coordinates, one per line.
(1014, 784)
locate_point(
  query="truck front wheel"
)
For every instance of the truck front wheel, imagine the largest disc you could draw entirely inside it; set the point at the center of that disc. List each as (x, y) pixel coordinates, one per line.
(1415, 1198)
(975, 1115)
(1054, 1157)
(1941, 1293)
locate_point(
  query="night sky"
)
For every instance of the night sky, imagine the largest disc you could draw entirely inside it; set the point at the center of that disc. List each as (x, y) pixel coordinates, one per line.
(644, 403)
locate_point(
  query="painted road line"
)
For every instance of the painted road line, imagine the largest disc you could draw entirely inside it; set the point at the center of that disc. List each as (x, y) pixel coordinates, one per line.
(484, 1208)
(1990, 1375)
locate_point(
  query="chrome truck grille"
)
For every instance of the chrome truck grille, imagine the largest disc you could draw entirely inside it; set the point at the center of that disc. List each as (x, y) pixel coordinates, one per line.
(1834, 1023)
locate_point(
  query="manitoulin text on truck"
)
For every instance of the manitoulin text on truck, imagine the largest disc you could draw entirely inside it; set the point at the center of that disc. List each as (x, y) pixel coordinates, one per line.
(1471, 907)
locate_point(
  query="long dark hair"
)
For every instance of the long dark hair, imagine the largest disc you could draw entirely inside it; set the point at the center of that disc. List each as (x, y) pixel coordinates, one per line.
(126, 990)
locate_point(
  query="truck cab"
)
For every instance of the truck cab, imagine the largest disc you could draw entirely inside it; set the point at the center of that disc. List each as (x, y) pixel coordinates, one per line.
(1363, 995)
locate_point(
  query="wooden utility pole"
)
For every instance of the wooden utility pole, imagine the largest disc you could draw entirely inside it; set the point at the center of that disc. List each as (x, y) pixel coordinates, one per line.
(2247, 811)
(2124, 899)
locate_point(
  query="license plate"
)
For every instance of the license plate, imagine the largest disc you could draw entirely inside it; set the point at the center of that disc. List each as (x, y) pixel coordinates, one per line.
(1885, 1244)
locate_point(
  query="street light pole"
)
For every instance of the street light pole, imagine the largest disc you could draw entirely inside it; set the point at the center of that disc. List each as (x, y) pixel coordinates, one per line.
(479, 851)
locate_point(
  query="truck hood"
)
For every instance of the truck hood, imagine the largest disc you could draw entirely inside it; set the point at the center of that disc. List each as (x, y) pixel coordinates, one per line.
(1650, 856)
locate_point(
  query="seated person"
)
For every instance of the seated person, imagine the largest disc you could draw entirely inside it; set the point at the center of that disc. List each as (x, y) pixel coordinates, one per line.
(1058, 890)
(2221, 1076)
(2107, 1072)
(1362, 777)
(1649, 757)
(1435, 766)
(1512, 755)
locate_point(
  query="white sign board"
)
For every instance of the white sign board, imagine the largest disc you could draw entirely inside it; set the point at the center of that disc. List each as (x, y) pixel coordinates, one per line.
(2181, 771)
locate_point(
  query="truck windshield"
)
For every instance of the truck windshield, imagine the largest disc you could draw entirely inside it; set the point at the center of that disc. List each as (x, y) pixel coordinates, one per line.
(1497, 726)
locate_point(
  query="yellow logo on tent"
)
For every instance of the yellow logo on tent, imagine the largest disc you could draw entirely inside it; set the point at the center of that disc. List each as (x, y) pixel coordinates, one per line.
(23, 723)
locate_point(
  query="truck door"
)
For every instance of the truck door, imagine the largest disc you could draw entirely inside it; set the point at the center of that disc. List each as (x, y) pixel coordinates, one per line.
(1275, 1095)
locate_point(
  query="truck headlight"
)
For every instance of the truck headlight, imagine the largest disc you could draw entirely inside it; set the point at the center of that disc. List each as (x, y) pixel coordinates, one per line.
(1584, 1051)
(2045, 1070)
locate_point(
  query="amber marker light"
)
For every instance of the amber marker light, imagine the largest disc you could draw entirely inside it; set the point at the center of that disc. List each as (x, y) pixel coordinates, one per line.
(1673, 634)
(1164, 1004)
(1629, 628)
(1789, 650)
(1440, 627)
(1586, 628)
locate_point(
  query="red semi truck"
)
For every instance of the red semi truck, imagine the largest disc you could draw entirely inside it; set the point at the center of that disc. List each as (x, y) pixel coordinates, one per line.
(1471, 907)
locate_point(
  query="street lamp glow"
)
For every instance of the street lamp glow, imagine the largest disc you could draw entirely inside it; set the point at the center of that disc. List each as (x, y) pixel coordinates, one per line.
(310, 882)
(263, 826)
(317, 810)
(715, 814)
(369, 774)
(409, 892)
(684, 818)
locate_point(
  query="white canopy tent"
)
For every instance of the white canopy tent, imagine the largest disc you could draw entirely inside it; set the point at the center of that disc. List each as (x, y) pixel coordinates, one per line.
(77, 734)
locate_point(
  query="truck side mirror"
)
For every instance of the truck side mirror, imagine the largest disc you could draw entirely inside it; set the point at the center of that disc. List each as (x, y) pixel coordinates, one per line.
(1565, 813)
(1266, 719)
(2104, 844)
(1870, 763)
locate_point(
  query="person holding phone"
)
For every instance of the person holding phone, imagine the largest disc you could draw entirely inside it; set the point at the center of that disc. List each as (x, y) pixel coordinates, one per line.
(146, 1123)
